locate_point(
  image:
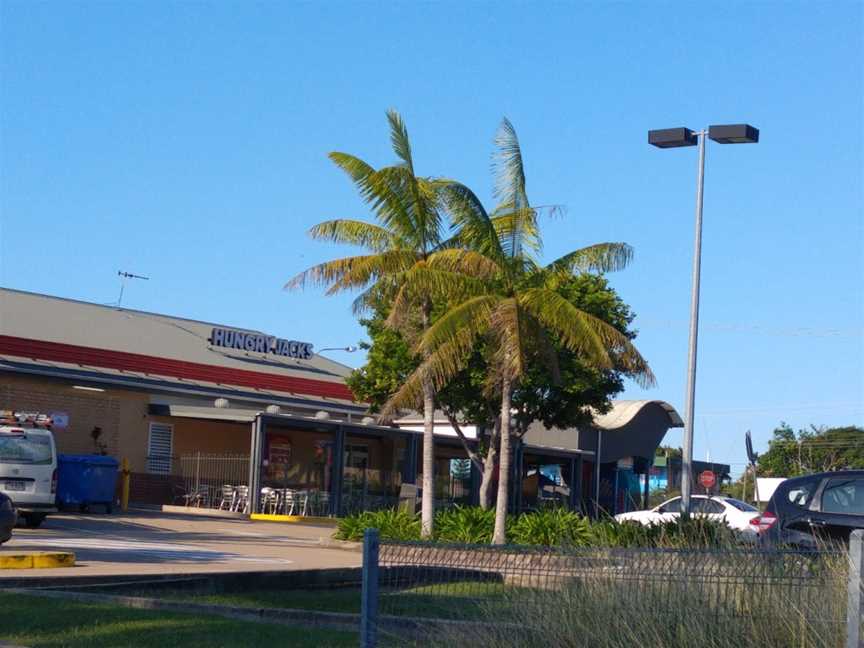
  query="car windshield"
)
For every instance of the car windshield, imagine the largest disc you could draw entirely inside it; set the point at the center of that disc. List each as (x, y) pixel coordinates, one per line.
(25, 449)
(741, 506)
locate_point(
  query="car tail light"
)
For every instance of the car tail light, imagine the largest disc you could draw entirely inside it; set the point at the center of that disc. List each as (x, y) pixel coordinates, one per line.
(54, 482)
(763, 522)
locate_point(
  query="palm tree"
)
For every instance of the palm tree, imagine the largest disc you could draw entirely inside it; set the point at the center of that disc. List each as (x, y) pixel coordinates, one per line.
(513, 303)
(400, 246)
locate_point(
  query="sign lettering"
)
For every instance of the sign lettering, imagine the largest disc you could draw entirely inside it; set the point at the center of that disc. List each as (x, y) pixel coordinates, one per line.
(231, 339)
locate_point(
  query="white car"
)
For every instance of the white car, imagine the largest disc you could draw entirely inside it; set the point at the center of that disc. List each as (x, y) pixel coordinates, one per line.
(735, 513)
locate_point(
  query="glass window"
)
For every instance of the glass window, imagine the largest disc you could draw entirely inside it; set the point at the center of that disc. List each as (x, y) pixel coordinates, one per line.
(741, 506)
(357, 456)
(801, 493)
(710, 507)
(672, 506)
(844, 496)
(25, 449)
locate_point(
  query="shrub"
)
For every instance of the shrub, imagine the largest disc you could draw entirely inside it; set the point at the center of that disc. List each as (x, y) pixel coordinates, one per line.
(550, 527)
(392, 524)
(546, 527)
(465, 524)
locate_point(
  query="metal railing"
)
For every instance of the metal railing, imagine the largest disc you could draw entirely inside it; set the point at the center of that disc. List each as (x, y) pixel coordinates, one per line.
(204, 475)
(608, 597)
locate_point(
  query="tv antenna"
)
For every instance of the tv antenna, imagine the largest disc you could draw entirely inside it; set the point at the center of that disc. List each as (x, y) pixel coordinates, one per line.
(123, 277)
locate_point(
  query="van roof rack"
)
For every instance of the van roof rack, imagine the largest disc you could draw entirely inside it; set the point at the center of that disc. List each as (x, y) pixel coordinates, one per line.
(25, 419)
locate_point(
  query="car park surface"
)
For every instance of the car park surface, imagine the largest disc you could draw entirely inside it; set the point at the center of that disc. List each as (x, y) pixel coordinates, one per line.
(144, 542)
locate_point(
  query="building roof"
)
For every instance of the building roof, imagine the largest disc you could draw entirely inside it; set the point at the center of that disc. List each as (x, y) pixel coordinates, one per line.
(45, 335)
(624, 411)
(629, 429)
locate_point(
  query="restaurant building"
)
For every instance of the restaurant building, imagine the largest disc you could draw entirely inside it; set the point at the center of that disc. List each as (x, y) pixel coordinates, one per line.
(200, 408)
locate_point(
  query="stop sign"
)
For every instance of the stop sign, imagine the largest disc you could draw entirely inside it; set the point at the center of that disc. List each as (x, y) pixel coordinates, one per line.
(707, 479)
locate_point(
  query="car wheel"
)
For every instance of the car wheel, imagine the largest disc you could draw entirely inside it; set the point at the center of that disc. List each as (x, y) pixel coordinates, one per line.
(34, 521)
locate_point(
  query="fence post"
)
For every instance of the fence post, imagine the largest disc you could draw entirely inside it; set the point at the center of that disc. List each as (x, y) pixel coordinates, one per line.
(197, 471)
(369, 595)
(855, 602)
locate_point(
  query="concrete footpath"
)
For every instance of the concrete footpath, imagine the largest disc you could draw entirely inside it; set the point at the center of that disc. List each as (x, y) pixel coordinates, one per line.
(150, 543)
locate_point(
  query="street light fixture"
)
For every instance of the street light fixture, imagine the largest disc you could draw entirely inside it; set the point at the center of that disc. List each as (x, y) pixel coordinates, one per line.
(675, 138)
(346, 349)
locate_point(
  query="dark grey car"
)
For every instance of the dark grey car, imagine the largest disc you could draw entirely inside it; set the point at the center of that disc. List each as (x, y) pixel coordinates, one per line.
(805, 511)
(8, 517)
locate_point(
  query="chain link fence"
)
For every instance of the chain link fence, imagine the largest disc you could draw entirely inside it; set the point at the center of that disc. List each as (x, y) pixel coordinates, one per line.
(431, 594)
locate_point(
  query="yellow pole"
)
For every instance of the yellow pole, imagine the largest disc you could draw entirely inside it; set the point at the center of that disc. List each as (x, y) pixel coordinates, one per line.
(124, 493)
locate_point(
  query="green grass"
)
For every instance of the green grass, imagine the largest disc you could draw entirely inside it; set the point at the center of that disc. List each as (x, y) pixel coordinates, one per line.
(325, 600)
(36, 622)
(458, 600)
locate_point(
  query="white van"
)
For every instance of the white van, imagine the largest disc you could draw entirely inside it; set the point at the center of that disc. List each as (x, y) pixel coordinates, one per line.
(28, 472)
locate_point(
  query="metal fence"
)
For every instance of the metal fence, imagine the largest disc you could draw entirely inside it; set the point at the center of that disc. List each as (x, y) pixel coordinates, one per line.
(436, 594)
(204, 476)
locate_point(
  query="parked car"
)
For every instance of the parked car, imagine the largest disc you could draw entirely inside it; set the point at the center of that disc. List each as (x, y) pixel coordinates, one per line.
(805, 511)
(28, 472)
(735, 513)
(8, 518)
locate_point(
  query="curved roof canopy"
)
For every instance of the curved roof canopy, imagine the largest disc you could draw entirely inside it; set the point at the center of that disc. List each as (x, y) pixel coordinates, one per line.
(630, 428)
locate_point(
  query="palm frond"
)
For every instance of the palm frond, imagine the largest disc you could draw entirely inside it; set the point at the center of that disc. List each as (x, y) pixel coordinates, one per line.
(472, 224)
(387, 193)
(406, 205)
(602, 257)
(600, 343)
(399, 139)
(466, 262)
(507, 167)
(518, 230)
(507, 326)
(356, 168)
(467, 321)
(354, 232)
(423, 283)
(353, 272)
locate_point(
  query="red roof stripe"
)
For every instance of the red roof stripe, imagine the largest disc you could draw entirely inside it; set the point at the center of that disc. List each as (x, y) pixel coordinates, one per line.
(70, 353)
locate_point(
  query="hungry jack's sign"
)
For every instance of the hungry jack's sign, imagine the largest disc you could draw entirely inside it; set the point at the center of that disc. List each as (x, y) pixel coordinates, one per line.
(257, 343)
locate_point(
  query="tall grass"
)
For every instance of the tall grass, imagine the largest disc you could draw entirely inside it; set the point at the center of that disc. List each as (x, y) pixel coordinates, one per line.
(605, 610)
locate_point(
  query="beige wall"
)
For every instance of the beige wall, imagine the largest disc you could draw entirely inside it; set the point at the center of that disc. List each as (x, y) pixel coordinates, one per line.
(213, 437)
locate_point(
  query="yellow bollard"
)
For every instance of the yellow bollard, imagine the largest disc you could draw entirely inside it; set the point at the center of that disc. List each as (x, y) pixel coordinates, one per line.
(124, 492)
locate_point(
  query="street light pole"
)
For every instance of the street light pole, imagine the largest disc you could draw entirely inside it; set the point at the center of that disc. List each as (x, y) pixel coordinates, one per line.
(676, 138)
(689, 418)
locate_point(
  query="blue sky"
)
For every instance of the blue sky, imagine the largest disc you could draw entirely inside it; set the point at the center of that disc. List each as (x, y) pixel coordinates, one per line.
(187, 142)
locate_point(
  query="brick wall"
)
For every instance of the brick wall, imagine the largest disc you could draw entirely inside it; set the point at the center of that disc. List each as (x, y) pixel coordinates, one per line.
(122, 415)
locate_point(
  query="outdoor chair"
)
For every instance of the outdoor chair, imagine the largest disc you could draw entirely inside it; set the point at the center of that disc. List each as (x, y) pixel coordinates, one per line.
(197, 497)
(294, 502)
(226, 498)
(241, 499)
(302, 498)
(320, 502)
(269, 500)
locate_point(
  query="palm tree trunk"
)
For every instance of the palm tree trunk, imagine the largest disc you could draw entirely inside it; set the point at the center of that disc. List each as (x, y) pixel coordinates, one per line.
(427, 514)
(500, 535)
(427, 503)
(489, 468)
